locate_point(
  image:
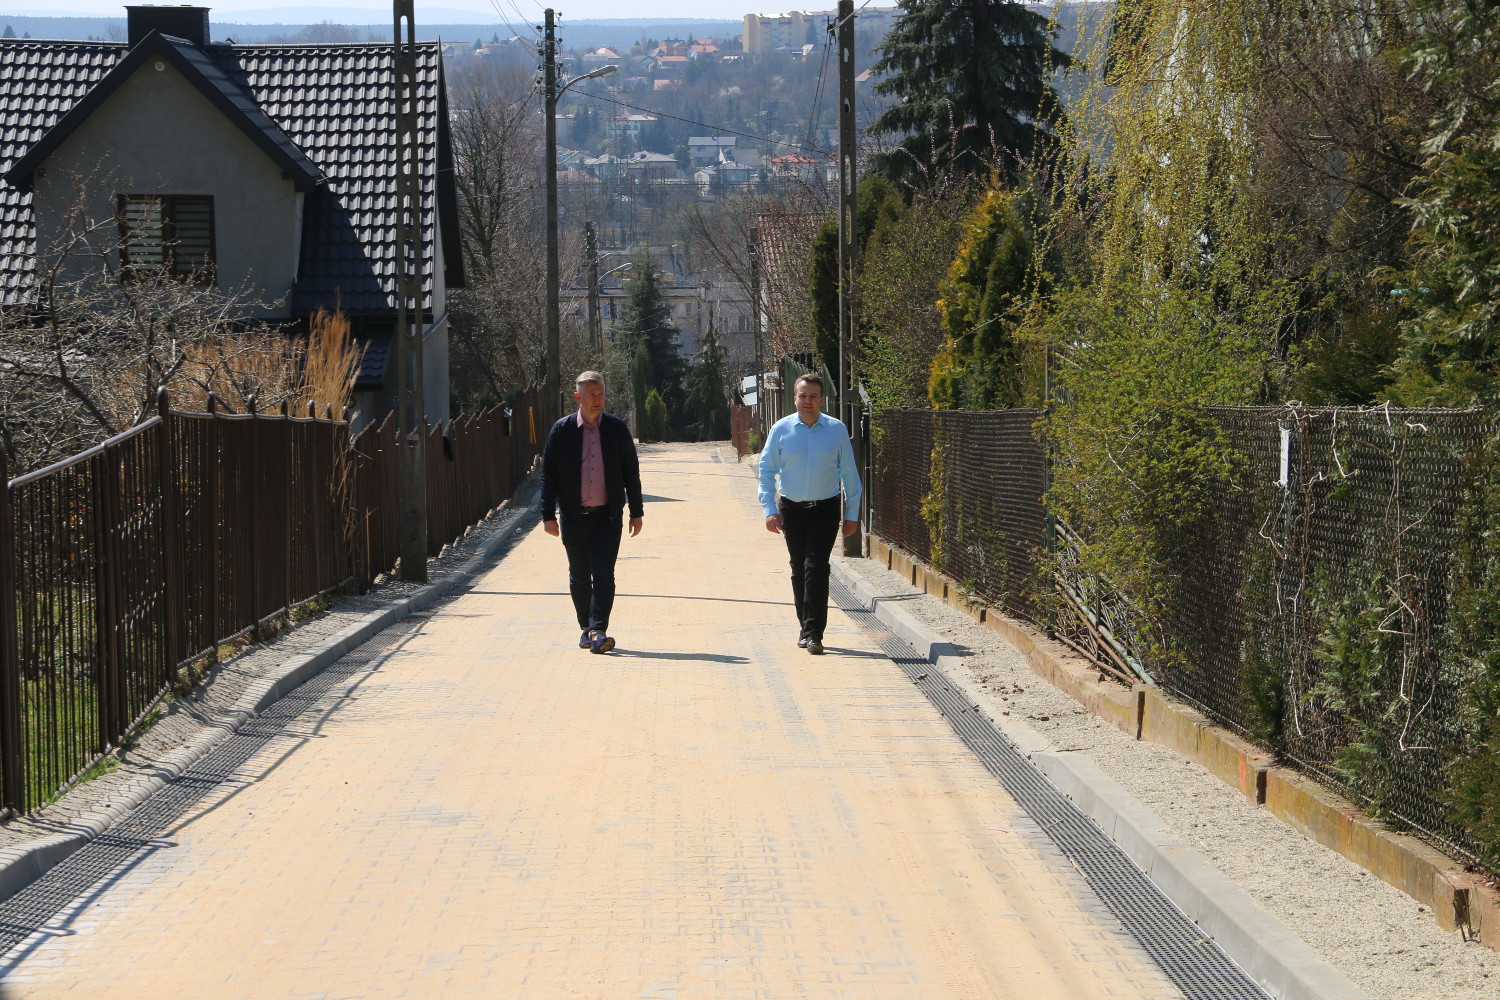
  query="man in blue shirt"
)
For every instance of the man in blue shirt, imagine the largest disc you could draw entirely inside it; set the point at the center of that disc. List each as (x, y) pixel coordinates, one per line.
(806, 461)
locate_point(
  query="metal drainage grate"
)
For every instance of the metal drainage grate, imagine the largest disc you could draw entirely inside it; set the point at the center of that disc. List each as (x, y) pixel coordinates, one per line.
(1195, 964)
(89, 870)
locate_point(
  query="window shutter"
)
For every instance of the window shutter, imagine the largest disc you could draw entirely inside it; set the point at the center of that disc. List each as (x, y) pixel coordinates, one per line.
(192, 230)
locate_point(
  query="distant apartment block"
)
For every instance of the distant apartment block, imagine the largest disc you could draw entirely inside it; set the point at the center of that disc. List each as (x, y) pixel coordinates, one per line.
(768, 32)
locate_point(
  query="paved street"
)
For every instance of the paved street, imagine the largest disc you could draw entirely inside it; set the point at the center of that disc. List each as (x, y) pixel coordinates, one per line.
(707, 812)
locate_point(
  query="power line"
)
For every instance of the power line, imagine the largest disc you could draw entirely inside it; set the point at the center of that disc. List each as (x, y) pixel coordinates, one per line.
(690, 121)
(506, 21)
(852, 13)
(817, 105)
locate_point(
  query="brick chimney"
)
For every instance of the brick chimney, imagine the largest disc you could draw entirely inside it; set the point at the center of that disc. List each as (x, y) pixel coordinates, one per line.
(189, 23)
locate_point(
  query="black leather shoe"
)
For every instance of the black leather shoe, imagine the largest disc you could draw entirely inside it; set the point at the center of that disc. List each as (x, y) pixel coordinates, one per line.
(802, 642)
(583, 641)
(815, 647)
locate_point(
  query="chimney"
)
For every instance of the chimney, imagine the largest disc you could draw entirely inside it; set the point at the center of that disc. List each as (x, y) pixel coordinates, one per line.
(189, 23)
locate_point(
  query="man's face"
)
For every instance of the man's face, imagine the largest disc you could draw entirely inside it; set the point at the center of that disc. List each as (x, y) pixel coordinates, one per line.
(809, 401)
(590, 396)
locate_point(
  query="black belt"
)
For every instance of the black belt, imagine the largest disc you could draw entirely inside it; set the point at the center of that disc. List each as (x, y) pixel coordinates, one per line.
(809, 503)
(586, 509)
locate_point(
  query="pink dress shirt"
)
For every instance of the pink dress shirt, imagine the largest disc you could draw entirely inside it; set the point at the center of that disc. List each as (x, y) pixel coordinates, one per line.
(594, 492)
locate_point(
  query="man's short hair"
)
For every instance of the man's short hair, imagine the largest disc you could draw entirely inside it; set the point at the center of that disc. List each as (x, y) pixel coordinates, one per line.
(589, 376)
(814, 379)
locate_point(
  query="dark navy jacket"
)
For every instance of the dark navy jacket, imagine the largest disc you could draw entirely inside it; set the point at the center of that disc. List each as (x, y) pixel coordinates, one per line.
(562, 467)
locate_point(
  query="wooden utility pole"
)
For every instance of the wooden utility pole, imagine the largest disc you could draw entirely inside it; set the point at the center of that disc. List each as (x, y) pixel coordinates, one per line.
(411, 405)
(848, 375)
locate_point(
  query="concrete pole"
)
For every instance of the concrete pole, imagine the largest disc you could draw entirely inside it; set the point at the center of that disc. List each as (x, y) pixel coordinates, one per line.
(554, 321)
(411, 405)
(848, 375)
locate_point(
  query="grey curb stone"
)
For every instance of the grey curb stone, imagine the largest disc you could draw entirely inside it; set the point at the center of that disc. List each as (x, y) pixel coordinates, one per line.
(1278, 960)
(20, 866)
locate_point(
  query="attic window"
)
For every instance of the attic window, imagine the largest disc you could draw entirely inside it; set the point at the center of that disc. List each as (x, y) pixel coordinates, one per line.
(169, 235)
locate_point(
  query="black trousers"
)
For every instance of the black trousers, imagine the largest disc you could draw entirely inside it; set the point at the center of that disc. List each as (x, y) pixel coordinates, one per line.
(592, 541)
(810, 531)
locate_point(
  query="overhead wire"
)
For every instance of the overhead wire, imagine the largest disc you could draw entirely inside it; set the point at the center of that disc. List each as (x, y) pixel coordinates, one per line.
(506, 21)
(817, 105)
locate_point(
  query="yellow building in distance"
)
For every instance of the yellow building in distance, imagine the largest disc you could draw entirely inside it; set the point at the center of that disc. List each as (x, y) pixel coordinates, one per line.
(768, 32)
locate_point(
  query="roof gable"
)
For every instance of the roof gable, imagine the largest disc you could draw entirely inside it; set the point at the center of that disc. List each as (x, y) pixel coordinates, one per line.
(203, 73)
(333, 103)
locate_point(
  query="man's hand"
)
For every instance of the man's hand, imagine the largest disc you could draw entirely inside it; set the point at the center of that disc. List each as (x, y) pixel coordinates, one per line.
(550, 527)
(635, 526)
(773, 523)
(850, 527)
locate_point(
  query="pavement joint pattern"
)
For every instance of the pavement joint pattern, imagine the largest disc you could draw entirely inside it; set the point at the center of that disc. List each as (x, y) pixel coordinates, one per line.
(1192, 961)
(468, 805)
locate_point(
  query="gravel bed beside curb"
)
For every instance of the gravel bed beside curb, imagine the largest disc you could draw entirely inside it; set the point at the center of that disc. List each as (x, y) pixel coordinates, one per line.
(1376, 935)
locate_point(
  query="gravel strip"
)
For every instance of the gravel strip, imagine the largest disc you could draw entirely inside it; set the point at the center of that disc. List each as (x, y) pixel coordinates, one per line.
(186, 719)
(1375, 934)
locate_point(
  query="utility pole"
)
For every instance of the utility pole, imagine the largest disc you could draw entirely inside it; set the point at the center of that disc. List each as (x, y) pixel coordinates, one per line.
(554, 321)
(848, 376)
(410, 319)
(760, 355)
(551, 92)
(591, 248)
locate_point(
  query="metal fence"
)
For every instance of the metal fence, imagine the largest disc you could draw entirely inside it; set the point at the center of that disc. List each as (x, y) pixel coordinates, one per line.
(139, 557)
(1307, 606)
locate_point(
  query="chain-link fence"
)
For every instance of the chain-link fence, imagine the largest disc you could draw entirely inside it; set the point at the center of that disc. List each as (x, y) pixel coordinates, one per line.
(1305, 608)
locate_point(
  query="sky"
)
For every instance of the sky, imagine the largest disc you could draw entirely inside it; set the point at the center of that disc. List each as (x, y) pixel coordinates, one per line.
(438, 11)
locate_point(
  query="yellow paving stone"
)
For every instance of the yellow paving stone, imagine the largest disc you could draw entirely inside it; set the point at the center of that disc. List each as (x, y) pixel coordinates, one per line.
(708, 812)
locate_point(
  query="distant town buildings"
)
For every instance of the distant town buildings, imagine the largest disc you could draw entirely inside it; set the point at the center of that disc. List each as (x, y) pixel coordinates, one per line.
(768, 32)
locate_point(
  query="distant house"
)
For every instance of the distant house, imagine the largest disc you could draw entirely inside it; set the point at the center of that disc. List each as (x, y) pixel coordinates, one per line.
(704, 151)
(714, 179)
(266, 167)
(606, 167)
(794, 166)
(649, 166)
(605, 56)
(627, 128)
(672, 67)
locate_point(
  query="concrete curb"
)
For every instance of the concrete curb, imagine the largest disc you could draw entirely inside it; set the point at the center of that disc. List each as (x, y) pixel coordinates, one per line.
(1281, 962)
(20, 866)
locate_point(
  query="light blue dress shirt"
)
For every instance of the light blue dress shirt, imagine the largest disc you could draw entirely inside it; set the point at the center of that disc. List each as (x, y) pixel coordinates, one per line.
(812, 463)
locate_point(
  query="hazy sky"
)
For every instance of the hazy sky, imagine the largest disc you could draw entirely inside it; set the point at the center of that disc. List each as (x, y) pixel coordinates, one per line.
(443, 11)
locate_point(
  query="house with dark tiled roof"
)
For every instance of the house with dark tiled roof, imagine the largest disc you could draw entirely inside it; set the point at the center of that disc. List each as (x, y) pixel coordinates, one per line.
(263, 169)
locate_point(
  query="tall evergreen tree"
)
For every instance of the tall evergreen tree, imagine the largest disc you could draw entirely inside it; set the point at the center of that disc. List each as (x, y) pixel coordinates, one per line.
(646, 318)
(1451, 350)
(707, 402)
(971, 78)
(980, 365)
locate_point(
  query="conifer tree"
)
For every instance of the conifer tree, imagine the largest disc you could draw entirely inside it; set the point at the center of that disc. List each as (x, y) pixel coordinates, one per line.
(707, 403)
(646, 319)
(971, 78)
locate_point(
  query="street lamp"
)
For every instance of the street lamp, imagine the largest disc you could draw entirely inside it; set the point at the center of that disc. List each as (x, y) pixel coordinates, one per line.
(554, 319)
(596, 327)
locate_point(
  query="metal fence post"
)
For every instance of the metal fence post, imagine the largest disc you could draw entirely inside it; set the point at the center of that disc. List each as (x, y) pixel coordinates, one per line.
(171, 536)
(12, 773)
(111, 694)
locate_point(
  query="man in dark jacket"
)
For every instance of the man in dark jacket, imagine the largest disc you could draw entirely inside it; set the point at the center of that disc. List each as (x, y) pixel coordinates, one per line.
(589, 471)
